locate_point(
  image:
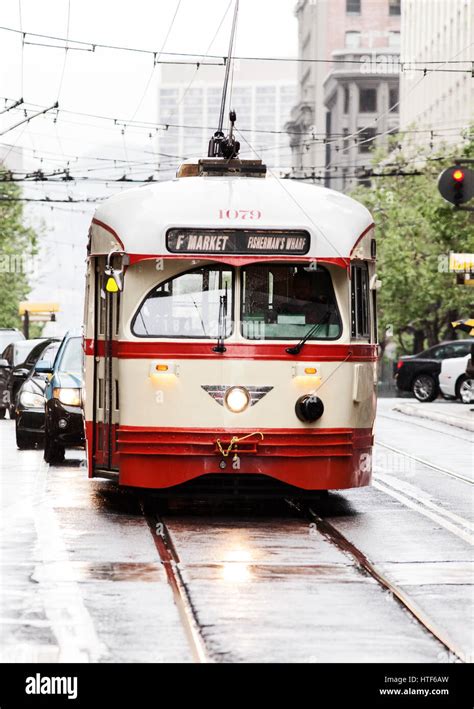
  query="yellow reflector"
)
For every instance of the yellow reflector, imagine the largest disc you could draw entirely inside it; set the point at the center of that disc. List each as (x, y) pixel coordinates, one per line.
(310, 370)
(161, 367)
(111, 286)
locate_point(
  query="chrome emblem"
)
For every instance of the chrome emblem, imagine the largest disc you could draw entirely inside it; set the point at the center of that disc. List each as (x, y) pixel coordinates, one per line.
(217, 391)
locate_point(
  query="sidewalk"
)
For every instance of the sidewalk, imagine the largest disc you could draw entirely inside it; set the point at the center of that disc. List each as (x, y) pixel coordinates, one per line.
(452, 413)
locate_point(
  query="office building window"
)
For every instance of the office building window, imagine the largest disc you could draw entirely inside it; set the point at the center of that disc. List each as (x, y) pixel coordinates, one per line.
(393, 100)
(368, 100)
(353, 7)
(352, 40)
(393, 7)
(394, 39)
(365, 138)
(347, 99)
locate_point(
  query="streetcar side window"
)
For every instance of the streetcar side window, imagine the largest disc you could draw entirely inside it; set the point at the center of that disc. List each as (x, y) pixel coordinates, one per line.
(360, 301)
(188, 305)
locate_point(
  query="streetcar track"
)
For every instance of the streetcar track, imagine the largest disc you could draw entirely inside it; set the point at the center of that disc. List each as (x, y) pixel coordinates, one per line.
(335, 537)
(402, 419)
(170, 560)
(450, 473)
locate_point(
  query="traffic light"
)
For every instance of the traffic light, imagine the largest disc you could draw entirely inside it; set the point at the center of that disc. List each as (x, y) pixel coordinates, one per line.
(456, 184)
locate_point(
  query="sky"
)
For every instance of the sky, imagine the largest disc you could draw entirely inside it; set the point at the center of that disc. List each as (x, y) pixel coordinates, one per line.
(119, 84)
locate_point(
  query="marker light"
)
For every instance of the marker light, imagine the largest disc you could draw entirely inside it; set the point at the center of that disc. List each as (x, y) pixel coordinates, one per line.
(458, 175)
(310, 370)
(237, 399)
(161, 367)
(111, 285)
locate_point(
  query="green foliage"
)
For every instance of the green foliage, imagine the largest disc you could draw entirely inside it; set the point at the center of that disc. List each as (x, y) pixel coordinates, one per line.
(416, 229)
(17, 248)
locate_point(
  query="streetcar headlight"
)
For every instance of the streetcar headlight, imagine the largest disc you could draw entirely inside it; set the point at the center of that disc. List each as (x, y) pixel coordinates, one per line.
(237, 399)
(69, 397)
(31, 400)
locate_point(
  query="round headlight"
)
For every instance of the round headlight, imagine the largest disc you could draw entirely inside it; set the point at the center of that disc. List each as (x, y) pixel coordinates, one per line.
(237, 399)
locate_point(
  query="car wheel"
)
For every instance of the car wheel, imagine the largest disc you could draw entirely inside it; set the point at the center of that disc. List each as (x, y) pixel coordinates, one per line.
(53, 452)
(465, 389)
(425, 388)
(24, 441)
(2, 413)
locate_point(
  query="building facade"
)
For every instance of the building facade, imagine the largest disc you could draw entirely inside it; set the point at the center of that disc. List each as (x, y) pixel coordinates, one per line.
(349, 92)
(441, 102)
(189, 102)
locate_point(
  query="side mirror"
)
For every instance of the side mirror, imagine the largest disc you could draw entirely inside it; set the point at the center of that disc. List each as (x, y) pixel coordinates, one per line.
(22, 372)
(114, 276)
(43, 367)
(4, 363)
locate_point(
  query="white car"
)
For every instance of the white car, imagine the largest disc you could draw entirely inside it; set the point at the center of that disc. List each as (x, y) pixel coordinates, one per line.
(453, 380)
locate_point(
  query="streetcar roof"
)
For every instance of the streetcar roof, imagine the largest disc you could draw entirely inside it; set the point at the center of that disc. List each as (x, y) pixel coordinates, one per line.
(137, 220)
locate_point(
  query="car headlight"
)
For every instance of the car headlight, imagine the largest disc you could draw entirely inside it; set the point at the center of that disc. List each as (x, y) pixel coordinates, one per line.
(69, 397)
(237, 399)
(31, 401)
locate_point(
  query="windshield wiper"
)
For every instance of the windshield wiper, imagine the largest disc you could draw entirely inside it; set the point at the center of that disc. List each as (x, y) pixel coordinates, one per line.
(296, 349)
(221, 327)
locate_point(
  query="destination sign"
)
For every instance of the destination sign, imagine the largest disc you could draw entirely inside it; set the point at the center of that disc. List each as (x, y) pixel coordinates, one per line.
(237, 241)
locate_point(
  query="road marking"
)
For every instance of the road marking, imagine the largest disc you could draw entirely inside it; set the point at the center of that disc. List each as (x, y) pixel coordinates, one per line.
(464, 479)
(426, 512)
(424, 498)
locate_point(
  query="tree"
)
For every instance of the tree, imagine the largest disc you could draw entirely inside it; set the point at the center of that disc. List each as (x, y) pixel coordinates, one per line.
(416, 229)
(17, 249)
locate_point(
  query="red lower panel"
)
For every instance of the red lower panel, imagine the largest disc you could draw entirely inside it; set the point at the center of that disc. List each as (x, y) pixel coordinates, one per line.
(311, 459)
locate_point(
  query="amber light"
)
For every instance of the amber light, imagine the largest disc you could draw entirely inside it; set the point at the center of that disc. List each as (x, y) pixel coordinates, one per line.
(458, 175)
(310, 370)
(161, 367)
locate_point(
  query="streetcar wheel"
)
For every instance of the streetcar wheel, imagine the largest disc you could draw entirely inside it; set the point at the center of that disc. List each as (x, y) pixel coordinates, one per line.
(425, 388)
(465, 389)
(53, 452)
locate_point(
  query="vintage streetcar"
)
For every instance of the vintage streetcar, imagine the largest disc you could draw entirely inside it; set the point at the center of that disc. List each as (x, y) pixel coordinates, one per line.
(230, 333)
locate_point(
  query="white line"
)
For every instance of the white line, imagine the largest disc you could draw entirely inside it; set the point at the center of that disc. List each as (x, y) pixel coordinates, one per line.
(427, 463)
(423, 498)
(427, 513)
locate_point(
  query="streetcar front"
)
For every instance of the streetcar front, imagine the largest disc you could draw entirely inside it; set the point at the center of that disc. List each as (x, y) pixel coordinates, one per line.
(230, 331)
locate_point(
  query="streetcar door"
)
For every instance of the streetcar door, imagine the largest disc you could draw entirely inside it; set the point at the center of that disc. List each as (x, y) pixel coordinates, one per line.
(106, 389)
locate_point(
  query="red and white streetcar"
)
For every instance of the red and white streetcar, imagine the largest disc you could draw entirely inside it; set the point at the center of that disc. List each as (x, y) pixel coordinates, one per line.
(230, 332)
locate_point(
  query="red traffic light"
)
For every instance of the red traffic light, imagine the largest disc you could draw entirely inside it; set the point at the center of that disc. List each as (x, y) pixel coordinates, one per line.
(456, 184)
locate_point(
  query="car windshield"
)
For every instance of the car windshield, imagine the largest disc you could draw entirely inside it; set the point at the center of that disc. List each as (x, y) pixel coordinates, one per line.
(282, 302)
(187, 305)
(71, 359)
(22, 349)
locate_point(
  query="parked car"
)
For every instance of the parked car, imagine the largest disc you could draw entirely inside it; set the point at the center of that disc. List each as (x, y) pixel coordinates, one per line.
(17, 361)
(29, 418)
(64, 426)
(9, 335)
(420, 373)
(454, 380)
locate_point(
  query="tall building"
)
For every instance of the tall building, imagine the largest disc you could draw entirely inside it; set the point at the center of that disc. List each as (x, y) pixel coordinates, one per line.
(348, 95)
(442, 102)
(263, 95)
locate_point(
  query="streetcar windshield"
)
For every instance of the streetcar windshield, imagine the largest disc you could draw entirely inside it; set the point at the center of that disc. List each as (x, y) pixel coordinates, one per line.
(282, 302)
(187, 305)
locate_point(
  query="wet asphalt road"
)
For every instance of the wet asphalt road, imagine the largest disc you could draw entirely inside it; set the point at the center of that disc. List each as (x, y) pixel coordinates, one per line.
(81, 579)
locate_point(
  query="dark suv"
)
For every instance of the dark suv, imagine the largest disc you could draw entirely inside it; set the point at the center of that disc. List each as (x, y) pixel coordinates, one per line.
(419, 373)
